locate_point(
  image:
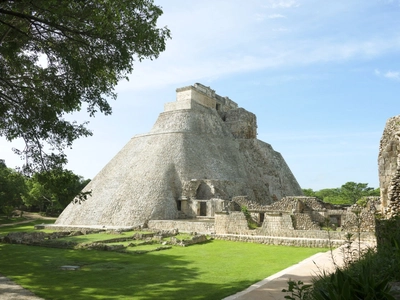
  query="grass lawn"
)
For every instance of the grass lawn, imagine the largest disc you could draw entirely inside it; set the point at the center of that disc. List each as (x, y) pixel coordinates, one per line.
(24, 227)
(4, 220)
(211, 270)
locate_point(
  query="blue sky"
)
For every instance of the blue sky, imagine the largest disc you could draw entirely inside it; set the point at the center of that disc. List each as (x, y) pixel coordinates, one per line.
(321, 76)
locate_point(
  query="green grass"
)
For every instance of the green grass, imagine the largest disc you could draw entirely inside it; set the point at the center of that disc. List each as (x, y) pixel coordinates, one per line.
(211, 270)
(25, 227)
(5, 220)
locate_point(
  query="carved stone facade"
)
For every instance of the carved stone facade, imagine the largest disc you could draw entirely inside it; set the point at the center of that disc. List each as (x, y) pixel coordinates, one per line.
(389, 167)
(200, 154)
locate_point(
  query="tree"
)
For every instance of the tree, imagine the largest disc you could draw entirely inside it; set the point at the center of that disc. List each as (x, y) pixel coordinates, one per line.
(12, 189)
(59, 56)
(348, 193)
(309, 192)
(53, 190)
(354, 191)
(325, 193)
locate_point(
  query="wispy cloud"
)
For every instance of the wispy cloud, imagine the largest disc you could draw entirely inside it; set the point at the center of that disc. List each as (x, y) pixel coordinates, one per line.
(392, 75)
(202, 51)
(275, 16)
(282, 4)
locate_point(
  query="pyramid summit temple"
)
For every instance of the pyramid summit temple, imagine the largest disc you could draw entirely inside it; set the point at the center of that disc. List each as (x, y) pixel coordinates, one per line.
(201, 154)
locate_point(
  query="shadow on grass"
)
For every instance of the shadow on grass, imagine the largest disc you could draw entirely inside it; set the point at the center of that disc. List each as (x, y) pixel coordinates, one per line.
(109, 275)
(27, 225)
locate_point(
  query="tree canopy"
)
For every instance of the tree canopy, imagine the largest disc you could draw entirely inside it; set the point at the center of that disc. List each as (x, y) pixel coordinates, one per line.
(48, 191)
(12, 188)
(59, 56)
(52, 191)
(348, 193)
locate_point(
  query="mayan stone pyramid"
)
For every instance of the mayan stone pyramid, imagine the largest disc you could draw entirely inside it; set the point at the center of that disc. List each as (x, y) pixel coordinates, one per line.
(201, 153)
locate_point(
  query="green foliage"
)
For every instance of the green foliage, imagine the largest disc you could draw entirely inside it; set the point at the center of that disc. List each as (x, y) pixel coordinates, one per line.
(309, 193)
(59, 56)
(342, 285)
(348, 193)
(52, 191)
(354, 191)
(298, 290)
(250, 222)
(367, 274)
(12, 189)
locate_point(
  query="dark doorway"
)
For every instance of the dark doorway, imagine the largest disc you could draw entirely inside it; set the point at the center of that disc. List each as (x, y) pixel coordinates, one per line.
(261, 218)
(203, 208)
(179, 205)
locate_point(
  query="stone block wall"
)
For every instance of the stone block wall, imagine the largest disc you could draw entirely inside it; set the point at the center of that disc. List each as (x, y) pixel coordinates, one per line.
(231, 223)
(364, 220)
(304, 221)
(389, 167)
(276, 222)
(205, 227)
(239, 201)
(299, 204)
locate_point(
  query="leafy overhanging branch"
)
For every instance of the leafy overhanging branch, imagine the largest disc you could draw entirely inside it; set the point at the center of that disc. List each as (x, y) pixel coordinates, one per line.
(87, 46)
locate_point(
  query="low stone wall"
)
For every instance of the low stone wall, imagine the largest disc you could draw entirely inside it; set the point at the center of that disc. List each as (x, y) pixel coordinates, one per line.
(284, 241)
(315, 234)
(277, 222)
(233, 222)
(183, 226)
(304, 222)
(84, 228)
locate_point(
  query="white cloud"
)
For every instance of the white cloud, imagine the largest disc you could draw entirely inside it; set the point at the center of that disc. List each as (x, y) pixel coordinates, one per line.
(276, 16)
(206, 45)
(282, 4)
(392, 75)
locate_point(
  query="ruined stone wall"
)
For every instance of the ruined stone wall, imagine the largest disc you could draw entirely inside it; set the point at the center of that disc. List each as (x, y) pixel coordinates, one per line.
(389, 167)
(182, 226)
(231, 222)
(234, 224)
(359, 219)
(277, 222)
(239, 201)
(304, 221)
(281, 240)
(300, 203)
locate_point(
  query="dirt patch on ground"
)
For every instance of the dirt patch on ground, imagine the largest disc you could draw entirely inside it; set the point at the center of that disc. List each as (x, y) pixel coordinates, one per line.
(12, 291)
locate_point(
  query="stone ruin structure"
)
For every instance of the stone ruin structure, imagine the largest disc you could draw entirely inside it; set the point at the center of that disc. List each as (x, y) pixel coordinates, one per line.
(201, 153)
(389, 168)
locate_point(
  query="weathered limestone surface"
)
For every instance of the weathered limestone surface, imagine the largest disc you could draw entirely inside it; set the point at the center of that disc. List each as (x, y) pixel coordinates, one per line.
(201, 148)
(389, 167)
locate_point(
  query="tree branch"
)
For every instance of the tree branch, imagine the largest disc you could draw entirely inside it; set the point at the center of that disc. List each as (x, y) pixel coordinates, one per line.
(44, 21)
